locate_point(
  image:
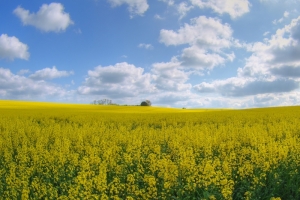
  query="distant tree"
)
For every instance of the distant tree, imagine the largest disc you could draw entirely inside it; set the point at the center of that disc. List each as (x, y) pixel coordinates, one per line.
(102, 102)
(146, 103)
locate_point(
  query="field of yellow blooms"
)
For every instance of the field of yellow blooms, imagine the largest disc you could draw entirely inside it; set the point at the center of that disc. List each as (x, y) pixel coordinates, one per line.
(65, 151)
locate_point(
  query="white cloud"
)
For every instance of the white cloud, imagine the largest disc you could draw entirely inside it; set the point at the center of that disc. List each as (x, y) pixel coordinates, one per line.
(266, 33)
(278, 55)
(205, 32)
(169, 2)
(278, 21)
(194, 57)
(273, 68)
(117, 81)
(146, 46)
(207, 38)
(235, 8)
(169, 76)
(281, 99)
(183, 8)
(285, 15)
(49, 17)
(238, 86)
(157, 16)
(260, 100)
(20, 87)
(23, 71)
(11, 48)
(135, 7)
(173, 98)
(48, 74)
(196, 100)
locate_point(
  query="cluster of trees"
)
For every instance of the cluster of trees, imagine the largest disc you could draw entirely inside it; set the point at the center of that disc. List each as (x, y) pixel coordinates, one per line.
(103, 102)
(109, 102)
(146, 103)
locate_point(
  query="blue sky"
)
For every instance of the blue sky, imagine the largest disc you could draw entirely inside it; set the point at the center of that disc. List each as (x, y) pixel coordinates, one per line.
(192, 53)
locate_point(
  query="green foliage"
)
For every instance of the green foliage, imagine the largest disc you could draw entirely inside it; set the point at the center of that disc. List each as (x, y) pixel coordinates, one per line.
(146, 103)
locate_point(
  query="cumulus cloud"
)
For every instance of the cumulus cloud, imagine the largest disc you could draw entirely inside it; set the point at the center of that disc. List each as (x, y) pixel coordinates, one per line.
(200, 59)
(207, 39)
(117, 81)
(49, 73)
(266, 33)
(169, 77)
(285, 15)
(49, 17)
(278, 55)
(169, 2)
(286, 52)
(183, 8)
(205, 32)
(286, 71)
(281, 99)
(281, 3)
(11, 48)
(145, 46)
(272, 70)
(23, 71)
(188, 99)
(235, 8)
(14, 86)
(259, 100)
(244, 87)
(135, 7)
(171, 98)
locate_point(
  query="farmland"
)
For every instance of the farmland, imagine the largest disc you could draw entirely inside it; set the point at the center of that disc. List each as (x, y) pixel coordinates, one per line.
(69, 151)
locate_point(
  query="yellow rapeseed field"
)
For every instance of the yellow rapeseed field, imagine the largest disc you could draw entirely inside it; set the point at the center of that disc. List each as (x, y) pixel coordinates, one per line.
(64, 151)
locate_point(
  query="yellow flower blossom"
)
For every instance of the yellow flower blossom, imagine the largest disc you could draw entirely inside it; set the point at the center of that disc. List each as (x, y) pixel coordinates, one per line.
(56, 151)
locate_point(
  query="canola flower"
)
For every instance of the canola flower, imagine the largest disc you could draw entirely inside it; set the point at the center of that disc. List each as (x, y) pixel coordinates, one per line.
(62, 151)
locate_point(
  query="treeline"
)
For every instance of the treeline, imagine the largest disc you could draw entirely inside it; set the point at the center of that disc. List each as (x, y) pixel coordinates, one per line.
(110, 102)
(103, 102)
